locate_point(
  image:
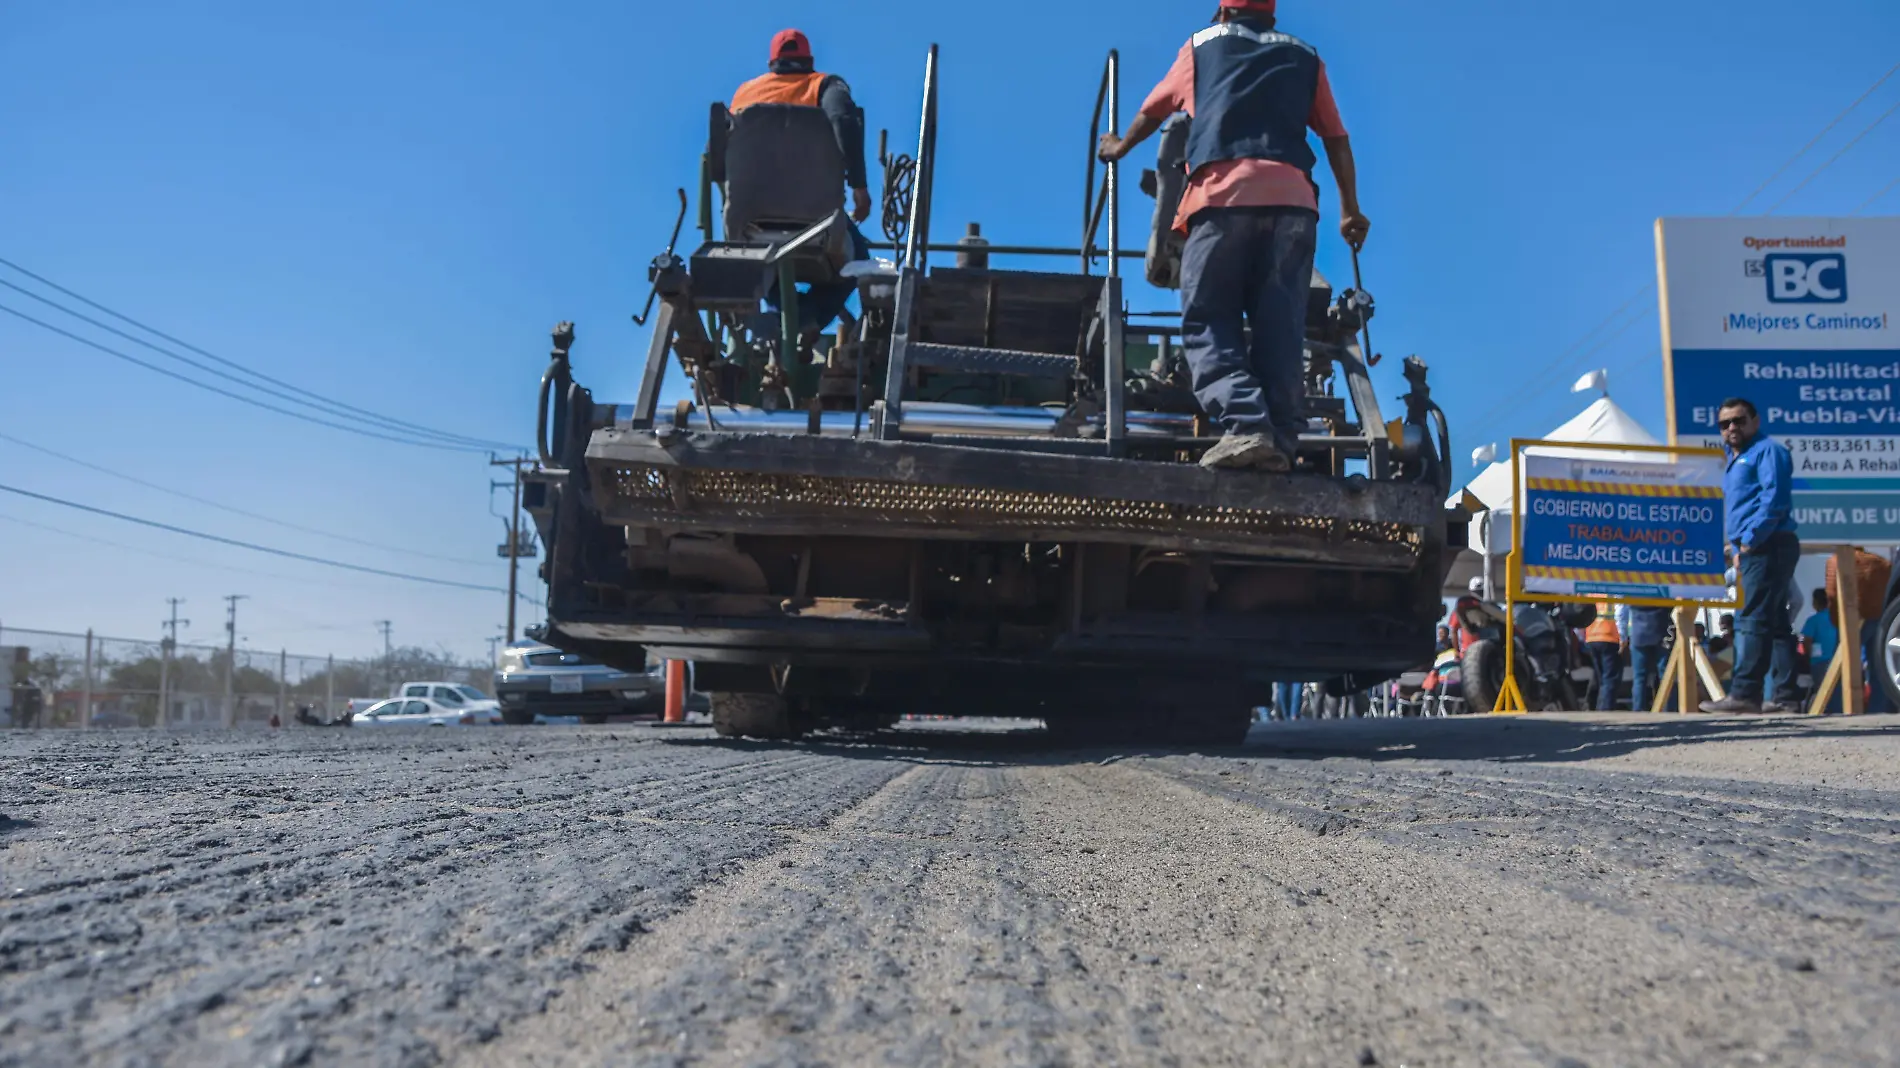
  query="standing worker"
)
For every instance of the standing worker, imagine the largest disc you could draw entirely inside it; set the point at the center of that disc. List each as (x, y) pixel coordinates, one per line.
(1761, 536)
(792, 78)
(1604, 642)
(1251, 213)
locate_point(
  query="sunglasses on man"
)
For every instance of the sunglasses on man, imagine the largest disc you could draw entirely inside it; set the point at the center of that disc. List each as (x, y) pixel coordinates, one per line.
(1724, 424)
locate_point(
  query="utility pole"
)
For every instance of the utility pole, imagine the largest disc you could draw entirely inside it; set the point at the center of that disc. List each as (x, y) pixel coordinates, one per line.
(230, 657)
(85, 695)
(389, 657)
(168, 649)
(512, 550)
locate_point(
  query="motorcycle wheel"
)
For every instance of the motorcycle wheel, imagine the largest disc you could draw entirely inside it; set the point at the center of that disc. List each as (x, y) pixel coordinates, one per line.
(1482, 674)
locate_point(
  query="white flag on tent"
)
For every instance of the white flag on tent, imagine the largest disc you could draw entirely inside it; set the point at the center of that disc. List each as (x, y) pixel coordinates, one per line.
(1483, 455)
(1598, 379)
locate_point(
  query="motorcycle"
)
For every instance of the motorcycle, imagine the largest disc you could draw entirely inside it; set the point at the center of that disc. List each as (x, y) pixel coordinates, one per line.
(1547, 656)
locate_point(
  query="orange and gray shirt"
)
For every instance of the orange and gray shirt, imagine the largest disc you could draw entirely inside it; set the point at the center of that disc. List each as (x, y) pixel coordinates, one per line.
(800, 89)
(786, 83)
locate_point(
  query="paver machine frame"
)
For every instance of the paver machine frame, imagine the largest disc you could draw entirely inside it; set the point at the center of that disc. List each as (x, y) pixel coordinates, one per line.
(979, 495)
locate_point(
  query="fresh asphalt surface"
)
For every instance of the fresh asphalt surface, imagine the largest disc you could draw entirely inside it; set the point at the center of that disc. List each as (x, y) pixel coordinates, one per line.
(1550, 891)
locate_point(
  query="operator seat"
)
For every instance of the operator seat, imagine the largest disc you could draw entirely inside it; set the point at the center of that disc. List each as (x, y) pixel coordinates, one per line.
(781, 172)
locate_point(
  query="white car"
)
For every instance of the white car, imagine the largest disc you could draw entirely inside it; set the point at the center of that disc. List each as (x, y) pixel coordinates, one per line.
(452, 697)
(413, 712)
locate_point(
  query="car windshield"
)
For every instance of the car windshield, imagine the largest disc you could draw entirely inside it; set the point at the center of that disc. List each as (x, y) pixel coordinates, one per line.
(381, 707)
(471, 693)
(449, 695)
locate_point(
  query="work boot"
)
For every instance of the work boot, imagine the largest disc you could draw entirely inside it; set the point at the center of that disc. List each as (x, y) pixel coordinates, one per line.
(1732, 706)
(1779, 708)
(1243, 451)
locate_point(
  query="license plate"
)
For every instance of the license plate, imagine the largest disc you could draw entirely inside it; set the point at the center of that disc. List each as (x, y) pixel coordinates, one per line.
(565, 684)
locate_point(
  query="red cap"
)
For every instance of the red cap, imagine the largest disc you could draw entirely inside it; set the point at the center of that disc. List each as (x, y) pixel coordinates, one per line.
(790, 44)
(1265, 7)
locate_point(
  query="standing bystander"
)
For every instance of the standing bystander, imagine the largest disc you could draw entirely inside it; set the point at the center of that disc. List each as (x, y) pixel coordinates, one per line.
(1761, 536)
(1644, 631)
(1823, 633)
(1287, 697)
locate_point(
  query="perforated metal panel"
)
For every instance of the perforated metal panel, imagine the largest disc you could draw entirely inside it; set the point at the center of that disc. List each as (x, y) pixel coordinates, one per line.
(707, 495)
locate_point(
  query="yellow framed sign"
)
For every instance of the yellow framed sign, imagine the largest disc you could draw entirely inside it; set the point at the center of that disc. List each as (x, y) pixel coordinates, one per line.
(1635, 524)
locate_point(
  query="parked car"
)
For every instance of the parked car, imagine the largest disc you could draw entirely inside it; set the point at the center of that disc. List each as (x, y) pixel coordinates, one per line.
(534, 681)
(454, 697)
(413, 712)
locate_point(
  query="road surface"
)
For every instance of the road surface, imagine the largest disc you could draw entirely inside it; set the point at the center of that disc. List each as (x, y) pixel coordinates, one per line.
(1549, 891)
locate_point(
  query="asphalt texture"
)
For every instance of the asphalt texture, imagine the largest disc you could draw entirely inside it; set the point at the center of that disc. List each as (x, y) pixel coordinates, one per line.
(1561, 891)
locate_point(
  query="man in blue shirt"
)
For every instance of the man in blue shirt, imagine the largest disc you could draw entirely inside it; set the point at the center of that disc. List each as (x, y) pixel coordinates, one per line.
(1824, 638)
(1759, 487)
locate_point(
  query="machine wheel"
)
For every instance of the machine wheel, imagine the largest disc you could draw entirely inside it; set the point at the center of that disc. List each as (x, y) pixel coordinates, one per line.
(1886, 657)
(753, 715)
(1215, 725)
(517, 717)
(1127, 726)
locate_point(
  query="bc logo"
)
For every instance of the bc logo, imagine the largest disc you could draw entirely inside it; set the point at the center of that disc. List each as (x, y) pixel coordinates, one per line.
(1807, 279)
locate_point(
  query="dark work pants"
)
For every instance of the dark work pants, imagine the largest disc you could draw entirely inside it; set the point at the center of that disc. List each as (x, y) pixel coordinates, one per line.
(1764, 635)
(1249, 268)
(1646, 663)
(1607, 658)
(822, 302)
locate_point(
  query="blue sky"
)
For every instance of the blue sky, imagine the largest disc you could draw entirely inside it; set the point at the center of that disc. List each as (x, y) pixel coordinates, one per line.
(390, 206)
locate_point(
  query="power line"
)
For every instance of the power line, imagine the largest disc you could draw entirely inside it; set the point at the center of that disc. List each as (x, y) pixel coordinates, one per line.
(239, 511)
(340, 408)
(1872, 200)
(1555, 369)
(186, 560)
(1571, 356)
(168, 373)
(1836, 158)
(247, 545)
(1825, 130)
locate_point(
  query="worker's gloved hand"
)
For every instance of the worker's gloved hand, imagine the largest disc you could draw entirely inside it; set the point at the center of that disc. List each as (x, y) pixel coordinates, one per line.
(1353, 227)
(860, 205)
(1110, 148)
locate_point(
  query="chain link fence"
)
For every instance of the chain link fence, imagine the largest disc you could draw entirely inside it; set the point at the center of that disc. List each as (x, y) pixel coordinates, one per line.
(60, 679)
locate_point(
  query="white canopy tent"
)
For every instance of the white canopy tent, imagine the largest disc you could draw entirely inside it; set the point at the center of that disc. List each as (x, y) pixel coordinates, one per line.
(1602, 423)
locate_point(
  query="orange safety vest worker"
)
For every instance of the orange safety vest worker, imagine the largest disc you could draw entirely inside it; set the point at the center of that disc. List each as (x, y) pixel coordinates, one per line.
(1604, 628)
(801, 88)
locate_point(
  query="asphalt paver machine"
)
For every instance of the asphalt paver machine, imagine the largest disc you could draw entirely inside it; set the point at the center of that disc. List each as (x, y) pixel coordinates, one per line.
(979, 495)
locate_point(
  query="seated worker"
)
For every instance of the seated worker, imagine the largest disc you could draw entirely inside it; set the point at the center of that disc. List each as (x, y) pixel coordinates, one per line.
(792, 79)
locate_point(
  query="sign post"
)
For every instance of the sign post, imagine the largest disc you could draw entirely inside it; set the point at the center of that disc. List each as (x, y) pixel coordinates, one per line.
(1636, 524)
